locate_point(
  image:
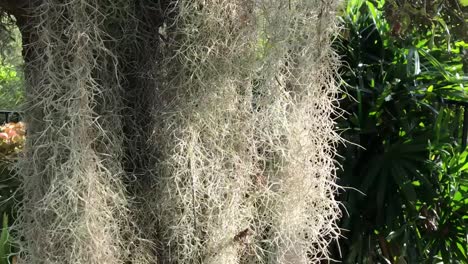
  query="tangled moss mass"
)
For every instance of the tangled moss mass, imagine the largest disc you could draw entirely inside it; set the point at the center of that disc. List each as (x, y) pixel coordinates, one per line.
(179, 132)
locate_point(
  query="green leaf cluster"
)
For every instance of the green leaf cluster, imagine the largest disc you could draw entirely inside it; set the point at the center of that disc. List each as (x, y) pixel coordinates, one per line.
(11, 66)
(404, 166)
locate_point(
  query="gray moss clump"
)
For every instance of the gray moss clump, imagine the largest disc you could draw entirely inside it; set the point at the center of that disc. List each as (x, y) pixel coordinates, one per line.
(182, 132)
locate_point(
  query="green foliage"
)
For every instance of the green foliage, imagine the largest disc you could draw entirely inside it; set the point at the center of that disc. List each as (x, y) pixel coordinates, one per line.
(5, 243)
(10, 87)
(11, 66)
(438, 19)
(404, 156)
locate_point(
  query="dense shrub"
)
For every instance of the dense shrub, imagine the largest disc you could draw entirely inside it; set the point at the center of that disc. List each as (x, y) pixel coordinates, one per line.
(405, 162)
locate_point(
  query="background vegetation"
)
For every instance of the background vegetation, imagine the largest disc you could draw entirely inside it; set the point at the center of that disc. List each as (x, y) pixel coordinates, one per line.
(12, 135)
(11, 66)
(405, 164)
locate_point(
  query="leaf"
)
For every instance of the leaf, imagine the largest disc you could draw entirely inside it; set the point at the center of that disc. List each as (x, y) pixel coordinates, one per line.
(372, 173)
(5, 246)
(394, 234)
(414, 65)
(404, 182)
(447, 31)
(461, 250)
